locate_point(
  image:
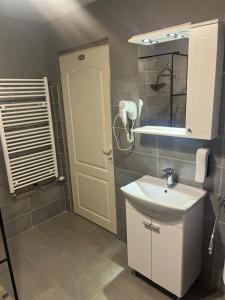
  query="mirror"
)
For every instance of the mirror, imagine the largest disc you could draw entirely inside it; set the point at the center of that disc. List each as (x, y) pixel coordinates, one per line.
(163, 83)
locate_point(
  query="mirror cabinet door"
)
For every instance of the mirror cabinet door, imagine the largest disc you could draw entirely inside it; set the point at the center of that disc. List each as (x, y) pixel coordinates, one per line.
(205, 67)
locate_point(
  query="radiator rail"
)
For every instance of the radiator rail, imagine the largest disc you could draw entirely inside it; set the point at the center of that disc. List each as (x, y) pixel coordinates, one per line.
(27, 132)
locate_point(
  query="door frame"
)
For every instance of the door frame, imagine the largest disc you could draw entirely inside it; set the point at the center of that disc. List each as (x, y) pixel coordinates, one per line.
(101, 42)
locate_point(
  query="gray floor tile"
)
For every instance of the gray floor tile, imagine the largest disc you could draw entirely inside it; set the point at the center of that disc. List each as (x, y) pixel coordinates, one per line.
(105, 271)
(28, 242)
(5, 279)
(152, 292)
(2, 251)
(31, 281)
(103, 236)
(86, 250)
(67, 221)
(56, 224)
(131, 285)
(78, 244)
(55, 293)
(59, 265)
(18, 225)
(97, 276)
(109, 293)
(83, 284)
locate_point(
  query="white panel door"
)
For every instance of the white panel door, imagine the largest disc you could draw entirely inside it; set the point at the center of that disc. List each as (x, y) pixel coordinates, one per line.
(85, 77)
(167, 243)
(139, 240)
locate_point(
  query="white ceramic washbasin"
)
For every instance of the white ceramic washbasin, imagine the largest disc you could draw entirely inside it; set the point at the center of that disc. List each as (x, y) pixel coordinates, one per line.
(153, 194)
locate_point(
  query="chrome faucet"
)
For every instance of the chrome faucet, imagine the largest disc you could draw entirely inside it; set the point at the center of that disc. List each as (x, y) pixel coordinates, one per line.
(169, 176)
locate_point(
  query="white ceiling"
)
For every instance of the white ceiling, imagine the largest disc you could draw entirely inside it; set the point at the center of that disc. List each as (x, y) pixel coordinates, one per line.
(40, 10)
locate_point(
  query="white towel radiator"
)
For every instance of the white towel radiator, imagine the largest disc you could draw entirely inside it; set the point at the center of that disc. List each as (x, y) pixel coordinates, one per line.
(27, 132)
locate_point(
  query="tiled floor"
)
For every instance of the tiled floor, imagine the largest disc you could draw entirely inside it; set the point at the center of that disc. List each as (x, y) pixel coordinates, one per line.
(68, 258)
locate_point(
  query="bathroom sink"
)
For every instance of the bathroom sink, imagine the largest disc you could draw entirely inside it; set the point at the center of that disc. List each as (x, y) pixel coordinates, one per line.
(153, 194)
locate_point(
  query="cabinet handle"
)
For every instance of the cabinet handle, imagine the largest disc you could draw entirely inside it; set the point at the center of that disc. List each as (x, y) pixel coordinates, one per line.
(150, 225)
(154, 227)
(146, 223)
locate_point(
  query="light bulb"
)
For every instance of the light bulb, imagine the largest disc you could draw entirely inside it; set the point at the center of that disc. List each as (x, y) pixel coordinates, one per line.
(147, 41)
(171, 34)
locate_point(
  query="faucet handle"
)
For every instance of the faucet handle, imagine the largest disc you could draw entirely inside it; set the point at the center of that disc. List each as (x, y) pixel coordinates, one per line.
(168, 171)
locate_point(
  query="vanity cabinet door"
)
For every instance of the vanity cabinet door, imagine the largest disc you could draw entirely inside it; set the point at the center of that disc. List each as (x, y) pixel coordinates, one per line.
(138, 240)
(167, 241)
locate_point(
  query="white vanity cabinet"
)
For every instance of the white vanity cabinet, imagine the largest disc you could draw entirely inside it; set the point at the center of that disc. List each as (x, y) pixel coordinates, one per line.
(167, 251)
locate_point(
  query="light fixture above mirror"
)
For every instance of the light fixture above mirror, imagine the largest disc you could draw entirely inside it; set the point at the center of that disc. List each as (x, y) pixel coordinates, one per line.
(162, 36)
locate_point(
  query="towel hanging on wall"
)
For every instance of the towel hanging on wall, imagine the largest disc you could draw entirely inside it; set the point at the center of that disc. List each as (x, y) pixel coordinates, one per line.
(26, 132)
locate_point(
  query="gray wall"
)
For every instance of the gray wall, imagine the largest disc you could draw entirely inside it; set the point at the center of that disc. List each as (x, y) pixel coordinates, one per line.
(118, 20)
(24, 49)
(25, 53)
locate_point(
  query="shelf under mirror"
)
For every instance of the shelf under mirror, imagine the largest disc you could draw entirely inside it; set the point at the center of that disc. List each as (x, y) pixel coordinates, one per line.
(160, 130)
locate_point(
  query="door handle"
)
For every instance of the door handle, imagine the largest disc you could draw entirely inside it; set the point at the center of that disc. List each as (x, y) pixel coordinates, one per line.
(107, 151)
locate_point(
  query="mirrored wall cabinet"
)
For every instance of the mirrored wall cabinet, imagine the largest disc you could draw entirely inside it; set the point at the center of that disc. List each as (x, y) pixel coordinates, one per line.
(180, 79)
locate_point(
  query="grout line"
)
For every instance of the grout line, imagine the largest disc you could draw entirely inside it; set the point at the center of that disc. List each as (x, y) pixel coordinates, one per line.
(30, 212)
(128, 171)
(157, 156)
(16, 218)
(160, 156)
(45, 221)
(40, 269)
(221, 169)
(177, 159)
(17, 235)
(50, 203)
(28, 197)
(150, 154)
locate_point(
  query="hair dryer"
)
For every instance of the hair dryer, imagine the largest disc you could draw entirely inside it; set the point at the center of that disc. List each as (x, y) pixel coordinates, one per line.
(128, 109)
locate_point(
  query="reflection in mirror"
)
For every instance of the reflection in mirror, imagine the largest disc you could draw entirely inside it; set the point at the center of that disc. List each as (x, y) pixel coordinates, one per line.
(163, 83)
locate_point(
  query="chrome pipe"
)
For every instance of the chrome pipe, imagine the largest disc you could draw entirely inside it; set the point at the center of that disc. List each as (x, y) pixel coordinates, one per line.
(221, 204)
